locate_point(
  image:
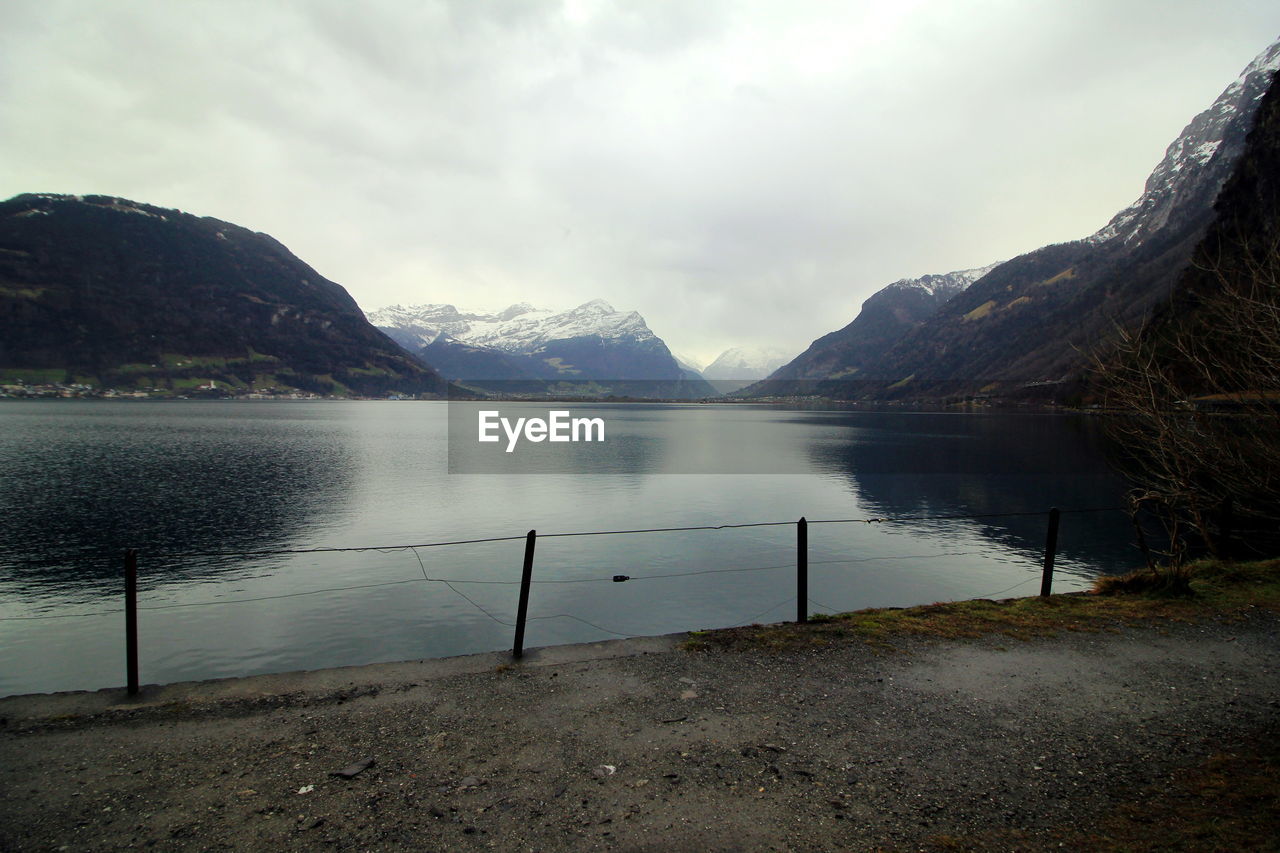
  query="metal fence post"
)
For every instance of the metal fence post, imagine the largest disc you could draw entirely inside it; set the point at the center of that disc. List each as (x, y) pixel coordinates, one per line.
(1050, 551)
(802, 570)
(526, 577)
(131, 619)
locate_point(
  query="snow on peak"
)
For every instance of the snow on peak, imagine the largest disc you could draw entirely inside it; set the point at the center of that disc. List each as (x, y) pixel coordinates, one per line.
(520, 328)
(513, 311)
(949, 283)
(1204, 150)
(688, 362)
(1264, 63)
(746, 363)
(595, 306)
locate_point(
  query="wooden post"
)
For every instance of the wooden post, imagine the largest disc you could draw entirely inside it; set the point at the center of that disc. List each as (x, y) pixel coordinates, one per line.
(1050, 551)
(802, 570)
(526, 577)
(131, 619)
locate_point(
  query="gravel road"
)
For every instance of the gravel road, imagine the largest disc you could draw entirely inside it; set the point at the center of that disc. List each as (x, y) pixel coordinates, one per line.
(640, 746)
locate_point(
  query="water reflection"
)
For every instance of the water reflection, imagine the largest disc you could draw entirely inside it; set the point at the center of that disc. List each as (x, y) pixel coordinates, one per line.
(914, 464)
(85, 480)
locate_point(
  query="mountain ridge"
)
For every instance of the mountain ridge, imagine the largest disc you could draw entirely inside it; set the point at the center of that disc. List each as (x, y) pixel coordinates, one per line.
(885, 317)
(1030, 322)
(126, 294)
(591, 345)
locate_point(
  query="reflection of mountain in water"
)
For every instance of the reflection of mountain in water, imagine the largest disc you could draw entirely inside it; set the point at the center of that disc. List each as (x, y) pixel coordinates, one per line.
(900, 464)
(87, 480)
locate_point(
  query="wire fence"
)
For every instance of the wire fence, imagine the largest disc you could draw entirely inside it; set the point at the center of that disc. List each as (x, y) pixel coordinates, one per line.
(800, 564)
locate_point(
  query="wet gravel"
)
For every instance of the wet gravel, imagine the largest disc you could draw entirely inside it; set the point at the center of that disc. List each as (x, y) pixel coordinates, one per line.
(836, 748)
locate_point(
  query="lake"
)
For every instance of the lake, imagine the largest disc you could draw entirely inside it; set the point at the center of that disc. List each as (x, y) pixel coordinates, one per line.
(201, 488)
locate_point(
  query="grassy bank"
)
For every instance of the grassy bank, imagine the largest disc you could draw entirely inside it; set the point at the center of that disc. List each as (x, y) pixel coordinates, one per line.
(1217, 590)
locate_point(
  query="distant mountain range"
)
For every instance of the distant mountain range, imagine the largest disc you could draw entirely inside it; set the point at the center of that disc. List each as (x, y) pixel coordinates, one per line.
(886, 317)
(115, 293)
(590, 349)
(738, 367)
(110, 292)
(1027, 326)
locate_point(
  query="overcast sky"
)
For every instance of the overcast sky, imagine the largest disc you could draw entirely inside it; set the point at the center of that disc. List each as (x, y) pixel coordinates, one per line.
(741, 173)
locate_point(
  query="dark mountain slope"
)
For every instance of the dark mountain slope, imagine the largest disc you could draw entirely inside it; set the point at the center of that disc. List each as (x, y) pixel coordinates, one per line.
(125, 294)
(1214, 347)
(1031, 323)
(1234, 274)
(887, 315)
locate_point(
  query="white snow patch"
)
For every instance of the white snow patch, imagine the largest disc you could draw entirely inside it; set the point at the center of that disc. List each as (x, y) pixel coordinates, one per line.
(519, 328)
(746, 363)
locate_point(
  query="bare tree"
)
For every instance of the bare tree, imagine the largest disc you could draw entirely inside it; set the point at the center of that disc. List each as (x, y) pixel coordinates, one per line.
(1196, 398)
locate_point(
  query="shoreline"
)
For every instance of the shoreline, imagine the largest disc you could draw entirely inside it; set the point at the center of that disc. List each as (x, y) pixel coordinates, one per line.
(108, 701)
(989, 743)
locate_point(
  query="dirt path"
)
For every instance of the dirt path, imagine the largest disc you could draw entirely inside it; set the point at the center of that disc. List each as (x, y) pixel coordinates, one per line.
(639, 746)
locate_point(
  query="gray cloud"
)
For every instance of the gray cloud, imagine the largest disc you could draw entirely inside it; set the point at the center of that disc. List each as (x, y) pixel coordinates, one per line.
(740, 172)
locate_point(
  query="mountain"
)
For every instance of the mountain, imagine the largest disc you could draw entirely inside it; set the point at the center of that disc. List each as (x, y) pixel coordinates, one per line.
(687, 362)
(114, 293)
(592, 347)
(738, 367)
(745, 363)
(887, 315)
(1026, 327)
(691, 368)
(1213, 347)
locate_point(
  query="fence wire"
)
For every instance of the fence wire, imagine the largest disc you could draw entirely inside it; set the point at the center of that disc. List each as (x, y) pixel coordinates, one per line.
(614, 577)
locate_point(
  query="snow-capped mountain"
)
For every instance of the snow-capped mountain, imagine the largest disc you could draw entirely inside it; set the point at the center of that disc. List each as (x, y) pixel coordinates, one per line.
(942, 286)
(1201, 157)
(738, 367)
(746, 363)
(688, 363)
(519, 328)
(886, 316)
(589, 343)
(1032, 321)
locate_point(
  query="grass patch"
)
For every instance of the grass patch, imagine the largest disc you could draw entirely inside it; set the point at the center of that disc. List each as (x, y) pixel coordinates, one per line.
(370, 370)
(22, 292)
(1215, 589)
(191, 383)
(1161, 582)
(32, 376)
(981, 311)
(1068, 273)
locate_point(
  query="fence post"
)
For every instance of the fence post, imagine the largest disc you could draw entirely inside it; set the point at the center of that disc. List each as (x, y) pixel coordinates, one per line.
(1050, 551)
(802, 570)
(131, 619)
(526, 577)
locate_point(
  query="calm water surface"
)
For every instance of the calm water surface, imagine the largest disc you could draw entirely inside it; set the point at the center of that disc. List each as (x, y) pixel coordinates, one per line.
(83, 480)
